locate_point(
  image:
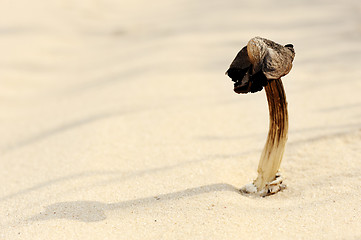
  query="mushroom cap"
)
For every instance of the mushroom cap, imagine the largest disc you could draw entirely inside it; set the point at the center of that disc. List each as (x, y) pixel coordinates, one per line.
(259, 62)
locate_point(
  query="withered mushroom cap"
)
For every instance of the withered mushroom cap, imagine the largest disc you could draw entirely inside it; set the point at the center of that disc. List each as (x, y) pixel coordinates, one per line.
(259, 62)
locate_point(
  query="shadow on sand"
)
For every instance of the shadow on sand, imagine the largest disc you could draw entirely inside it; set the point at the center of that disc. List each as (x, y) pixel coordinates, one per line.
(93, 211)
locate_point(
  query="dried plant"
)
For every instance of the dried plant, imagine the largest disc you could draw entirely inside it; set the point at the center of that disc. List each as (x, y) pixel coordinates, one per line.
(260, 64)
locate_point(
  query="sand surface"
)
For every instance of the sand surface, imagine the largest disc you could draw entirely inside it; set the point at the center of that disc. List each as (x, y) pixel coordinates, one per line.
(117, 121)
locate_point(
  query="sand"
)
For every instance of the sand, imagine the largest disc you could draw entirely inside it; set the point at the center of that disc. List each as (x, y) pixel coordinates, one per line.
(117, 121)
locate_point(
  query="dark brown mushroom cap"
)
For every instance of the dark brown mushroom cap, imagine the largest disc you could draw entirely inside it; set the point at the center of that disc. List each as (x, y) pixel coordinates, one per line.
(259, 62)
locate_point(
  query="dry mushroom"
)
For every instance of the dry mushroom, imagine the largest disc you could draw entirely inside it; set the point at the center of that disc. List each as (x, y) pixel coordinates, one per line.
(260, 64)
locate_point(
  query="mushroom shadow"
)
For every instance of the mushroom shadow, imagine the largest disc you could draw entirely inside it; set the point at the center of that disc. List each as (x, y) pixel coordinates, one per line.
(94, 211)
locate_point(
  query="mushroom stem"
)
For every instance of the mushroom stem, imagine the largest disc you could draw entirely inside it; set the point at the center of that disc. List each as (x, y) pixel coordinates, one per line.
(277, 136)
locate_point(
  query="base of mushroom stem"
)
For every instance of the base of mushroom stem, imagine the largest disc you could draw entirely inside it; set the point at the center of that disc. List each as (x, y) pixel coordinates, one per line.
(271, 188)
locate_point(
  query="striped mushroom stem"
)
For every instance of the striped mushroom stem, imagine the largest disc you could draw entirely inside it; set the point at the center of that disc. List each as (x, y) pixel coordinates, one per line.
(272, 153)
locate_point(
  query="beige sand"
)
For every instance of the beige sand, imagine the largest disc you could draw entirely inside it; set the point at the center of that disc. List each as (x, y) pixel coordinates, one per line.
(117, 121)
